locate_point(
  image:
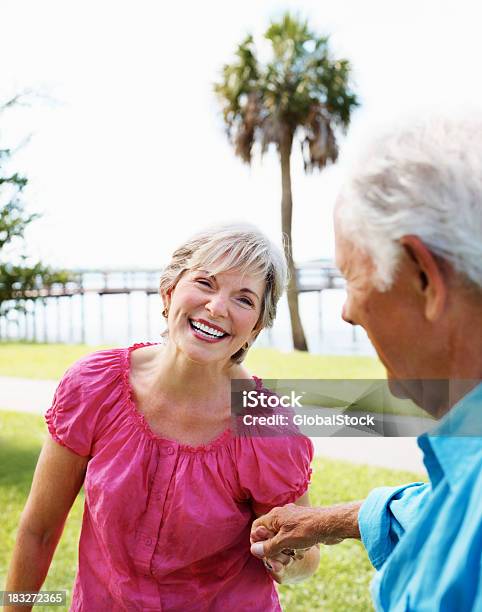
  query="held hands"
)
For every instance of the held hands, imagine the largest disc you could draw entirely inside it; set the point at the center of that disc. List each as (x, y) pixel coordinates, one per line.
(291, 527)
(286, 537)
(277, 563)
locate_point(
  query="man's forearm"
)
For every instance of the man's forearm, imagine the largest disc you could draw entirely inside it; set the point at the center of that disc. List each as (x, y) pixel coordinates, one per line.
(337, 522)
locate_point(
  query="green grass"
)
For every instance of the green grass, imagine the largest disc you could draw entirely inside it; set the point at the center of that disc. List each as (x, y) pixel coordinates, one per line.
(271, 363)
(40, 361)
(340, 584)
(27, 360)
(276, 365)
(343, 577)
(49, 361)
(21, 437)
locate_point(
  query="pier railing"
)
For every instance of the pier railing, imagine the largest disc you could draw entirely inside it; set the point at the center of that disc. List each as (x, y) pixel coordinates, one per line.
(40, 312)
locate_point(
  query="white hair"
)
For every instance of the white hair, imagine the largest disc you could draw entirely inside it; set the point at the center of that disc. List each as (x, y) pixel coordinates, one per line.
(422, 178)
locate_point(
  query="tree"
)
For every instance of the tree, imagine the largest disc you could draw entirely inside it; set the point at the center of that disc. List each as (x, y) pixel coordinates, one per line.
(18, 276)
(301, 93)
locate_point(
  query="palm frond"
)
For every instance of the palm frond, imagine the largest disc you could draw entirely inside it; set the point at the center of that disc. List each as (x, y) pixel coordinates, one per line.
(319, 146)
(301, 89)
(248, 122)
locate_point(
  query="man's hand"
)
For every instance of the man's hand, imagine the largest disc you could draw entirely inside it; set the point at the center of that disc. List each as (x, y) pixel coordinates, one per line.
(298, 527)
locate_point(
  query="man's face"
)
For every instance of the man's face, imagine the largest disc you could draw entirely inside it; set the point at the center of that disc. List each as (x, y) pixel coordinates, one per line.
(393, 319)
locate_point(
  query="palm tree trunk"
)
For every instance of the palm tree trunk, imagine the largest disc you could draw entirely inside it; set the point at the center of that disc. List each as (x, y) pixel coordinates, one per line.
(299, 340)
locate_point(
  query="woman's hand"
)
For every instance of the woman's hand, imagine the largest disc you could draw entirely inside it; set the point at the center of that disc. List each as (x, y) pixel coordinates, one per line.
(277, 564)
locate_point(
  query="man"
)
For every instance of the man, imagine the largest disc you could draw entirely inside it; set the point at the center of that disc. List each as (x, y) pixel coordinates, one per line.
(408, 229)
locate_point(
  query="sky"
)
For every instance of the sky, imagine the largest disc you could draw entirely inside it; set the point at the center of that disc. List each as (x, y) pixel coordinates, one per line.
(127, 153)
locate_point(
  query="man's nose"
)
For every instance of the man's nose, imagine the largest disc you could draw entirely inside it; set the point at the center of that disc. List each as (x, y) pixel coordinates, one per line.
(345, 315)
(217, 306)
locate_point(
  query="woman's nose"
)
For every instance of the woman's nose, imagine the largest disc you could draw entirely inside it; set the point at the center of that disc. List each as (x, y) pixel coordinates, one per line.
(217, 306)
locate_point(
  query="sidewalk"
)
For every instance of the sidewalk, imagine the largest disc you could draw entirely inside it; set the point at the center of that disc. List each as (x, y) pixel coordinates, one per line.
(35, 396)
(393, 453)
(26, 394)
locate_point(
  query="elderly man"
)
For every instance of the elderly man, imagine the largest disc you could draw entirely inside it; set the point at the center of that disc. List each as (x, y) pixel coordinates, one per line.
(409, 242)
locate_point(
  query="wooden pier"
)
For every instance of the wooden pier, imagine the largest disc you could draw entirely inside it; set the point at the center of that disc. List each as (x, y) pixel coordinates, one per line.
(32, 322)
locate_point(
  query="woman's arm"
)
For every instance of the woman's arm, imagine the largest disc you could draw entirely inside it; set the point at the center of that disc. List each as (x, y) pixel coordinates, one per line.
(56, 482)
(286, 569)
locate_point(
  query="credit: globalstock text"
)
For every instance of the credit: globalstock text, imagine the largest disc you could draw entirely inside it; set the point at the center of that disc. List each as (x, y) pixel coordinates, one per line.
(365, 420)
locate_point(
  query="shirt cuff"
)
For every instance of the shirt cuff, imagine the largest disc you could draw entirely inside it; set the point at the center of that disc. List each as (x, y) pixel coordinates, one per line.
(375, 522)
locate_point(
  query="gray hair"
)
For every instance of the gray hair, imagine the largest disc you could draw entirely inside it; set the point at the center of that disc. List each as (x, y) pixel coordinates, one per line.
(236, 246)
(422, 178)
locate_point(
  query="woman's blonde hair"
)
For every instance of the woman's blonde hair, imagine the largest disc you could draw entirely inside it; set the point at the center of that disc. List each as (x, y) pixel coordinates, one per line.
(237, 246)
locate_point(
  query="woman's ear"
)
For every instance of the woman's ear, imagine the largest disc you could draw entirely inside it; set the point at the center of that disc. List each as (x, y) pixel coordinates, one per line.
(166, 300)
(254, 334)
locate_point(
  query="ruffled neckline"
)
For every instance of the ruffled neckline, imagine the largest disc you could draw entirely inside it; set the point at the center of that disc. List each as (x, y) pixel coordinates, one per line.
(141, 421)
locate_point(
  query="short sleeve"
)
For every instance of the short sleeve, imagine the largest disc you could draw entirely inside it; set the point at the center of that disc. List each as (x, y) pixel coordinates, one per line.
(386, 514)
(274, 471)
(73, 419)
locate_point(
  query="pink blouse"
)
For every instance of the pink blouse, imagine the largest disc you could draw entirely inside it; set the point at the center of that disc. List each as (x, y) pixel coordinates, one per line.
(166, 525)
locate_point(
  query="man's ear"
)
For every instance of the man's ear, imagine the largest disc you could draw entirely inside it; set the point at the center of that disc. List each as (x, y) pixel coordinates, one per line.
(431, 281)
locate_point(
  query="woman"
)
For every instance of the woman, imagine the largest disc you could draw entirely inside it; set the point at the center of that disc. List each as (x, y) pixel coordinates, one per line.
(170, 491)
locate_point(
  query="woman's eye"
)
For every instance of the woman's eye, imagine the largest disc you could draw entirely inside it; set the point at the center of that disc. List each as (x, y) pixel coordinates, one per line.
(246, 301)
(203, 281)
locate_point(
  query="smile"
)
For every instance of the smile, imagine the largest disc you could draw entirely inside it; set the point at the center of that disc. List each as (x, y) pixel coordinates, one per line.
(206, 331)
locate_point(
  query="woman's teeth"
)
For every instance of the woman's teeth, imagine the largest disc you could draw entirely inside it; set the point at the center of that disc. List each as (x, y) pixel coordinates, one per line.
(205, 330)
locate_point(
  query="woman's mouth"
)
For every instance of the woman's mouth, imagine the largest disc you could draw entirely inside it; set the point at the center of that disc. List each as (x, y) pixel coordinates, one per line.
(206, 332)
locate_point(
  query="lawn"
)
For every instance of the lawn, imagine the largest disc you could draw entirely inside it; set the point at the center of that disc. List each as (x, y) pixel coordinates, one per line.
(27, 360)
(42, 361)
(50, 361)
(340, 584)
(21, 437)
(271, 363)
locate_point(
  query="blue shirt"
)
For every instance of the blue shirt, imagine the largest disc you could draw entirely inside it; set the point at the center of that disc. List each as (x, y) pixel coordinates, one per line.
(425, 540)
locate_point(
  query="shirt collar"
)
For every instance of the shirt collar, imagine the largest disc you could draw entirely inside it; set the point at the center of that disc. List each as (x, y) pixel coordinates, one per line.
(455, 444)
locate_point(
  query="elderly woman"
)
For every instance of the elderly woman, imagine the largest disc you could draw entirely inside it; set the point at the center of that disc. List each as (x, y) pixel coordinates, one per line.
(170, 490)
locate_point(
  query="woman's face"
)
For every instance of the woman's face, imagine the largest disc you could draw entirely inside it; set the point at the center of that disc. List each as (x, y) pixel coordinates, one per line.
(212, 317)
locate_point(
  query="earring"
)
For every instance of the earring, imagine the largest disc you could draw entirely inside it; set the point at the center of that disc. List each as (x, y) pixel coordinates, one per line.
(165, 312)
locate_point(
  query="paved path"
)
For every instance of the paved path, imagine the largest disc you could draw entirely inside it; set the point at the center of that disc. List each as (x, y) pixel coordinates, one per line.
(27, 395)
(394, 453)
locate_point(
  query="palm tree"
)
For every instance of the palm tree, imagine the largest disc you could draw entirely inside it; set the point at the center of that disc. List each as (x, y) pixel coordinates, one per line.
(303, 93)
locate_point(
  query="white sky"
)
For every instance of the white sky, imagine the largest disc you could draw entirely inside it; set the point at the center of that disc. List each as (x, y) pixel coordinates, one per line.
(132, 158)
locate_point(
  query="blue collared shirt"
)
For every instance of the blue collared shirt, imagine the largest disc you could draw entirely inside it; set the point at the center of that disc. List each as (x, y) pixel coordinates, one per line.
(425, 540)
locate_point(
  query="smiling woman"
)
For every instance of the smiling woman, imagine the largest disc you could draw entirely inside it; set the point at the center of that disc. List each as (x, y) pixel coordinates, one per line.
(220, 309)
(232, 248)
(171, 491)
